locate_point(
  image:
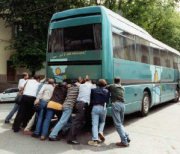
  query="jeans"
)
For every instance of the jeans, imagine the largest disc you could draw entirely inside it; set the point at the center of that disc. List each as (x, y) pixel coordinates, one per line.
(12, 112)
(98, 120)
(61, 123)
(45, 128)
(40, 117)
(118, 109)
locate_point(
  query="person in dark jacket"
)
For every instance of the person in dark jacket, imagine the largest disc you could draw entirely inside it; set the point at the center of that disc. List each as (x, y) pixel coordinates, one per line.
(59, 95)
(68, 105)
(99, 99)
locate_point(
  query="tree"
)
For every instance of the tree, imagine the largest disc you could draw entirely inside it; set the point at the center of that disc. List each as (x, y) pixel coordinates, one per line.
(158, 17)
(30, 19)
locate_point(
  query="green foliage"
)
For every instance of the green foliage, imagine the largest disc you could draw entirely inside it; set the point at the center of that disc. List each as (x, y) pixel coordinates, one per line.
(32, 17)
(158, 17)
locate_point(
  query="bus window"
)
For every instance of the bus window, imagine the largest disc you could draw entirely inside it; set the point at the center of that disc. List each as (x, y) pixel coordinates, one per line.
(164, 58)
(55, 40)
(170, 57)
(156, 57)
(118, 48)
(77, 38)
(81, 38)
(175, 61)
(143, 50)
(129, 48)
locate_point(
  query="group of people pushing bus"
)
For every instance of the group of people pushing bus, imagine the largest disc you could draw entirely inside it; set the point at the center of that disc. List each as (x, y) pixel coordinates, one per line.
(40, 102)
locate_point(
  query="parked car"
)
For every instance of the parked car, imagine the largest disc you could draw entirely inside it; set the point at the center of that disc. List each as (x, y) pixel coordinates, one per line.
(9, 95)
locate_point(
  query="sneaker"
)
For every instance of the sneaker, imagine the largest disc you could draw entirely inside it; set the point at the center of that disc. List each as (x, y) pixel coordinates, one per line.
(42, 138)
(93, 143)
(101, 136)
(122, 144)
(54, 139)
(6, 122)
(35, 135)
(129, 140)
(73, 142)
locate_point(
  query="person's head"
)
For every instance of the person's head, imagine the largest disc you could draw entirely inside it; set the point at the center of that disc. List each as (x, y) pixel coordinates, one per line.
(25, 75)
(102, 83)
(87, 79)
(50, 81)
(117, 80)
(36, 77)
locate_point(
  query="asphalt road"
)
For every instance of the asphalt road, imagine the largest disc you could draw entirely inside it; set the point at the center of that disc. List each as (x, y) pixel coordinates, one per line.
(158, 133)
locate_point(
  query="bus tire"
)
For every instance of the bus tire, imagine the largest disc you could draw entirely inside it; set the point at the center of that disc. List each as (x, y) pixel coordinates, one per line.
(145, 104)
(176, 95)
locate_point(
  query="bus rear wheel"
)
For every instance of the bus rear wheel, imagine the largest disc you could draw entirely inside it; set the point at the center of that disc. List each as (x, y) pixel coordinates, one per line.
(145, 104)
(176, 95)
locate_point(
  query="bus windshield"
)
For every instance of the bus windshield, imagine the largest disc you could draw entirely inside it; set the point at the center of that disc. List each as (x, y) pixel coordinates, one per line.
(77, 38)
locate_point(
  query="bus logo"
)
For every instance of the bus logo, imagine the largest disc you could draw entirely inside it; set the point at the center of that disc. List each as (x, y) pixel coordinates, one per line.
(58, 71)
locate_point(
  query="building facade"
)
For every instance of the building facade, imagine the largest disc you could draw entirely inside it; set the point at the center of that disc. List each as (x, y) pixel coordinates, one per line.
(7, 72)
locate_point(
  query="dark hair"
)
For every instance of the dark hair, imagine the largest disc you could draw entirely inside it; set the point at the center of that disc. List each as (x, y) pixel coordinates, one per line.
(36, 77)
(24, 74)
(102, 83)
(117, 80)
(74, 81)
(51, 81)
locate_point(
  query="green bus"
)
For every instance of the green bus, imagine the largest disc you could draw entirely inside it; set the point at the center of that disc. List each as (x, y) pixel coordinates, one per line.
(97, 42)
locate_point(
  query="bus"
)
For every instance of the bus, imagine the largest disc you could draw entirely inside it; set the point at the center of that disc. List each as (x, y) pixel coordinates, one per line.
(97, 42)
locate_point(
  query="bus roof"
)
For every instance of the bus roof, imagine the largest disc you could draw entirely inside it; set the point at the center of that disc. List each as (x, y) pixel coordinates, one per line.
(131, 27)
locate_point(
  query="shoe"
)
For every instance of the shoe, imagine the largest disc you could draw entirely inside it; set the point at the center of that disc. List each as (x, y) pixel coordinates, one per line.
(101, 136)
(16, 130)
(93, 143)
(6, 122)
(42, 138)
(122, 144)
(73, 142)
(54, 139)
(26, 132)
(35, 135)
(129, 140)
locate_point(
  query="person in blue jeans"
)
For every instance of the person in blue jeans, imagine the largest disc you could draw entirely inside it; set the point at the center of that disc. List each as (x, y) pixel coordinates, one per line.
(99, 99)
(118, 109)
(42, 127)
(68, 105)
(43, 97)
(12, 112)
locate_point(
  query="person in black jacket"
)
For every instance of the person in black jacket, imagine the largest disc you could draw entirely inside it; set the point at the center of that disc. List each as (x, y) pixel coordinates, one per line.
(99, 99)
(59, 95)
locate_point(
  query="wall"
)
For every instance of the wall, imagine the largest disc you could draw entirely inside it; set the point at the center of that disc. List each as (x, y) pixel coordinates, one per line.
(5, 36)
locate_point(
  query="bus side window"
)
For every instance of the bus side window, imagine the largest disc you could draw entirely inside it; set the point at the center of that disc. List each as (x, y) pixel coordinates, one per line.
(129, 47)
(118, 48)
(142, 50)
(170, 57)
(175, 61)
(145, 54)
(156, 57)
(164, 58)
